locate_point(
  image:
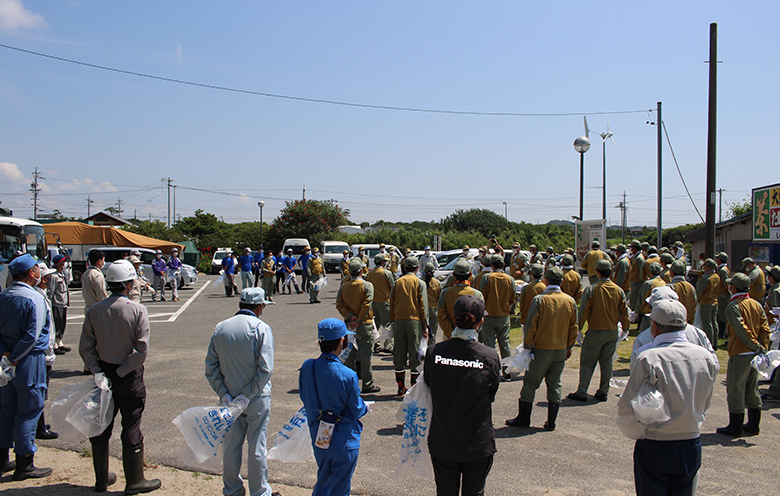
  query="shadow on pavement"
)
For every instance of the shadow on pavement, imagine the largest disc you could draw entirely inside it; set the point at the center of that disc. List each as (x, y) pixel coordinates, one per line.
(509, 431)
(713, 439)
(391, 431)
(64, 374)
(62, 488)
(293, 391)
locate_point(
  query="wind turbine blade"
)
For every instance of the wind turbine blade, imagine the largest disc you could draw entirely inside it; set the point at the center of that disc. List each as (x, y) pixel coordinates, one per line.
(613, 142)
(587, 131)
(607, 123)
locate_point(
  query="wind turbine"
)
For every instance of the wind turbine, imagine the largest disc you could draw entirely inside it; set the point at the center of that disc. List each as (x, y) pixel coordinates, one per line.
(606, 135)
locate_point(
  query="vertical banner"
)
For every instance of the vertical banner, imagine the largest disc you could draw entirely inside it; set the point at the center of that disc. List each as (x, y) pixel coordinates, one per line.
(585, 233)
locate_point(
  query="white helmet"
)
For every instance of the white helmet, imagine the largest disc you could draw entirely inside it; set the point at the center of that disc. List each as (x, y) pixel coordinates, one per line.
(121, 271)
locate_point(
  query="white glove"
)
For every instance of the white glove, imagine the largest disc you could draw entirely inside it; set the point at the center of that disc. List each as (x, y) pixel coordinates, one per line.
(226, 399)
(242, 401)
(102, 381)
(369, 404)
(632, 316)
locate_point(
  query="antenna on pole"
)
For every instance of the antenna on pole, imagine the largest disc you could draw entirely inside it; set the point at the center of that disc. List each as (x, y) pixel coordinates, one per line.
(35, 190)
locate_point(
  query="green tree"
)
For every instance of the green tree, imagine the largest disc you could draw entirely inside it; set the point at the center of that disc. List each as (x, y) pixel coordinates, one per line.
(739, 208)
(311, 219)
(480, 220)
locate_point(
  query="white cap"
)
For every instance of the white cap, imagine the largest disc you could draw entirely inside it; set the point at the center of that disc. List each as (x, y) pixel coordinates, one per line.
(661, 293)
(669, 313)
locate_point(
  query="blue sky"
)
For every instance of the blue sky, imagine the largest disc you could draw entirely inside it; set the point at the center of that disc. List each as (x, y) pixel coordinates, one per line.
(116, 136)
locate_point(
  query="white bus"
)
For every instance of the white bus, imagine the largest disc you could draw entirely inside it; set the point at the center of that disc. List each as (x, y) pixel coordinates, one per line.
(20, 235)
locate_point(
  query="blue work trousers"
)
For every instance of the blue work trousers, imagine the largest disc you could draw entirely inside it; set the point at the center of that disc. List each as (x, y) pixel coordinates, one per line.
(334, 471)
(21, 403)
(252, 426)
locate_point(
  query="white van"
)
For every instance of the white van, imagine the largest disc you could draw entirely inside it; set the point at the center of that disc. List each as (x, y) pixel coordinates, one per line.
(371, 250)
(296, 244)
(332, 252)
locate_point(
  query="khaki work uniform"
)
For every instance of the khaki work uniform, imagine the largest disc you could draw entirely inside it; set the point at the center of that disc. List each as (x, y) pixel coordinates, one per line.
(572, 284)
(748, 334)
(517, 264)
(620, 273)
(723, 298)
(354, 300)
(757, 289)
(635, 281)
(498, 290)
(447, 303)
(551, 331)
(383, 281)
(316, 269)
(527, 294)
(268, 269)
(654, 258)
(644, 307)
(707, 296)
(589, 264)
(603, 307)
(409, 314)
(686, 294)
(434, 292)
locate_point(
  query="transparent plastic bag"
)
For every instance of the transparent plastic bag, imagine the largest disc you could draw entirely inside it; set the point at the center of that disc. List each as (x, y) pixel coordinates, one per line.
(766, 363)
(697, 318)
(520, 360)
(92, 413)
(422, 349)
(387, 333)
(69, 399)
(415, 413)
(321, 283)
(212, 464)
(293, 443)
(7, 371)
(220, 279)
(204, 427)
(649, 405)
(618, 383)
(622, 336)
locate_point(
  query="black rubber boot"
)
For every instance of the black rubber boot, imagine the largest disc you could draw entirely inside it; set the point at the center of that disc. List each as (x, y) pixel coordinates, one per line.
(523, 418)
(6, 464)
(103, 478)
(133, 463)
(413, 379)
(43, 432)
(754, 419)
(400, 378)
(552, 414)
(734, 429)
(26, 469)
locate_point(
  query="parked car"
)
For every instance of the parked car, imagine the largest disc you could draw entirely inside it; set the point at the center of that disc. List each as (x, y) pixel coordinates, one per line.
(331, 253)
(216, 262)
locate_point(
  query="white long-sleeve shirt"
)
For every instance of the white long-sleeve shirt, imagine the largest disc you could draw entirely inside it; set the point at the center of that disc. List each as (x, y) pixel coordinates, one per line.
(684, 374)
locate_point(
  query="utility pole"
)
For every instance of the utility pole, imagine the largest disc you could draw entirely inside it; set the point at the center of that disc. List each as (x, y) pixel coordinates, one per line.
(169, 202)
(89, 205)
(720, 205)
(506, 215)
(660, 123)
(709, 240)
(622, 207)
(174, 203)
(35, 190)
(119, 208)
(304, 192)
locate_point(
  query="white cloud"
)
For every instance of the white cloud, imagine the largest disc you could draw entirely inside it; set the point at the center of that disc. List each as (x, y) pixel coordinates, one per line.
(14, 15)
(179, 53)
(10, 172)
(244, 198)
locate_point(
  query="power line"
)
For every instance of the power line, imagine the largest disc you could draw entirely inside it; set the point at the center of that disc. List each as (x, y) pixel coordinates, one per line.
(315, 100)
(680, 172)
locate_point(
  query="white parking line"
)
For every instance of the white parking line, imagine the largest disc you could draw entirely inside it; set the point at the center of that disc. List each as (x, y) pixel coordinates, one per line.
(187, 303)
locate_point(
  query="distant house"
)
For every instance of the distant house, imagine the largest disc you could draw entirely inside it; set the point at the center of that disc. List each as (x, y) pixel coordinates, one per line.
(106, 219)
(734, 236)
(351, 229)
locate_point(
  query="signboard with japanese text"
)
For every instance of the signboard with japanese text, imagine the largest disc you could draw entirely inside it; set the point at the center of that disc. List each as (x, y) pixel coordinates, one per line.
(766, 213)
(585, 233)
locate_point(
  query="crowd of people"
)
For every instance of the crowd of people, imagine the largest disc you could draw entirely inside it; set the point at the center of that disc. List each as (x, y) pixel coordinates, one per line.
(679, 316)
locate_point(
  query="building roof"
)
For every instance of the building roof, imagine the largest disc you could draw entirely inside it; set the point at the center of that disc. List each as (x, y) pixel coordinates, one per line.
(701, 232)
(106, 219)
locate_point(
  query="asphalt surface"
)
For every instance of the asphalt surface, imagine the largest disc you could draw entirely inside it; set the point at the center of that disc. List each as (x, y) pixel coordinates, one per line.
(585, 455)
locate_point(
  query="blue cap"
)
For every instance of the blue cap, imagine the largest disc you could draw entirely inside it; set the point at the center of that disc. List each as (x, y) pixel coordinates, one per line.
(21, 264)
(332, 329)
(58, 259)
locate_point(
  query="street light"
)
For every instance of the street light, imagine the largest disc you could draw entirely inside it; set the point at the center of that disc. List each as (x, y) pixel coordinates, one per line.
(582, 145)
(261, 204)
(505, 212)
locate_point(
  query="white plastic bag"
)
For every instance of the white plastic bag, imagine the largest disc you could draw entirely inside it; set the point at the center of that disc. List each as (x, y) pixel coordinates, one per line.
(766, 363)
(95, 410)
(220, 279)
(293, 443)
(774, 337)
(697, 318)
(7, 371)
(622, 336)
(520, 360)
(422, 349)
(213, 464)
(649, 405)
(68, 400)
(321, 283)
(415, 413)
(204, 427)
(618, 383)
(387, 333)
(289, 278)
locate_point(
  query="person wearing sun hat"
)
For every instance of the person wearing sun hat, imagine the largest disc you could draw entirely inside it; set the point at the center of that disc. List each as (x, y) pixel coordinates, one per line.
(748, 335)
(239, 366)
(685, 290)
(654, 269)
(330, 393)
(591, 258)
(667, 455)
(572, 280)
(707, 296)
(498, 290)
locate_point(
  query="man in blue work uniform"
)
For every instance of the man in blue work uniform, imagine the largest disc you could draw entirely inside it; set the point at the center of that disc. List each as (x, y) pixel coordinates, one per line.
(239, 364)
(303, 262)
(24, 338)
(245, 262)
(175, 266)
(229, 275)
(257, 259)
(327, 386)
(159, 266)
(289, 264)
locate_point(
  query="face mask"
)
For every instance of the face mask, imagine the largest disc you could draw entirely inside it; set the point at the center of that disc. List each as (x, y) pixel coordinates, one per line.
(427, 252)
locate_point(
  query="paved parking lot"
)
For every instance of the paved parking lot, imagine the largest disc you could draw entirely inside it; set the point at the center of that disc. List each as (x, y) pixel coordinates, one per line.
(585, 455)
